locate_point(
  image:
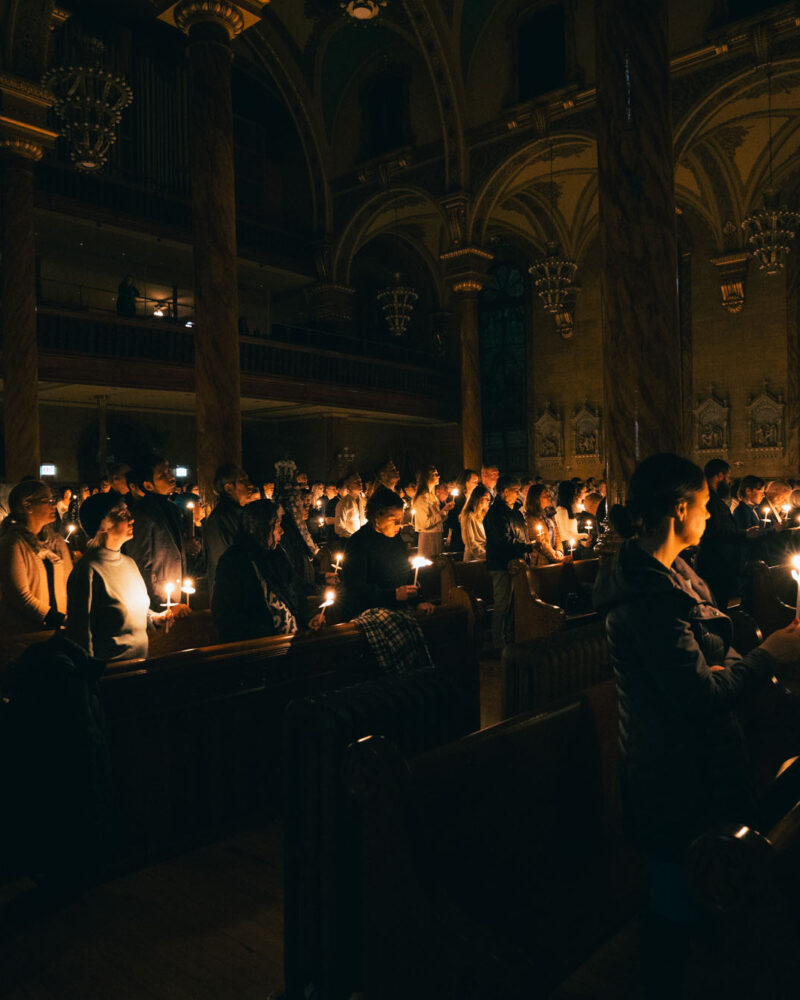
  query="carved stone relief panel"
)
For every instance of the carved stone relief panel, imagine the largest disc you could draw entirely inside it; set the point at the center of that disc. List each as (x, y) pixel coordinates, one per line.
(711, 424)
(586, 426)
(549, 430)
(765, 423)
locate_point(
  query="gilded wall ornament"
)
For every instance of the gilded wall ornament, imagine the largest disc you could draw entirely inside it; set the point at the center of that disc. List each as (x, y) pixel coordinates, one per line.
(711, 424)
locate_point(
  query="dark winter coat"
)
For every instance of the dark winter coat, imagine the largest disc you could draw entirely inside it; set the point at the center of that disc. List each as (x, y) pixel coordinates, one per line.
(374, 567)
(219, 531)
(685, 763)
(506, 535)
(157, 545)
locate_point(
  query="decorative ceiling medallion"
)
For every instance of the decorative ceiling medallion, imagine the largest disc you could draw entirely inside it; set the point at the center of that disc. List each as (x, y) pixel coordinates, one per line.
(362, 10)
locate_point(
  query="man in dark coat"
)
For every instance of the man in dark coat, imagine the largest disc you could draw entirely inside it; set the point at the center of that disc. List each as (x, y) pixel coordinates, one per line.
(506, 539)
(234, 490)
(723, 545)
(158, 547)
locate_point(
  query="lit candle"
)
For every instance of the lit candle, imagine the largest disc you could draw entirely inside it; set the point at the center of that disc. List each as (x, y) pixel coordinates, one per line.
(538, 529)
(796, 578)
(339, 557)
(168, 588)
(70, 529)
(572, 547)
(786, 508)
(765, 511)
(322, 522)
(188, 589)
(417, 563)
(190, 508)
(330, 597)
(588, 525)
(453, 493)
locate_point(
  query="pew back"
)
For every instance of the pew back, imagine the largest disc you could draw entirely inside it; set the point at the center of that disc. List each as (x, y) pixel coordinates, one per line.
(768, 596)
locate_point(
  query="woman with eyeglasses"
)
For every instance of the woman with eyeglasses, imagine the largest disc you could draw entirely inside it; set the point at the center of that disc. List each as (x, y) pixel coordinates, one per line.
(34, 562)
(108, 608)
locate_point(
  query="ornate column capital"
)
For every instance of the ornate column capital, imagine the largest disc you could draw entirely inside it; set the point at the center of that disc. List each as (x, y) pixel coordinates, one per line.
(235, 16)
(23, 118)
(465, 268)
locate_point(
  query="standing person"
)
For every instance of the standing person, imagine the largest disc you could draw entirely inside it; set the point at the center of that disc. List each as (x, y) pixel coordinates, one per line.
(108, 609)
(569, 493)
(429, 514)
(506, 539)
(466, 483)
(376, 572)
(386, 475)
(34, 562)
(542, 528)
(234, 491)
(489, 477)
(158, 547)
(472, 518)
(351, 509)
(751, 494)
(118, 476)
(723, 544)
(127, 294)
(685, 766)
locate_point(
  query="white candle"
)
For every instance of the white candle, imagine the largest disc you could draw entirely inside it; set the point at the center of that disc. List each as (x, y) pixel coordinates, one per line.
(453, 493)
(330, 597)
(765, 511)
(786, 508)
(418, 562)
(796, 578)
(168, 589)
(188, 589)
(190, 508)
(70, 529)
(339, 557)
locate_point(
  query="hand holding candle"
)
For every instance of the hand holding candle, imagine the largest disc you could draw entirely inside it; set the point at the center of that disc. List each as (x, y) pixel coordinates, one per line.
(417, 563)
(796, 578)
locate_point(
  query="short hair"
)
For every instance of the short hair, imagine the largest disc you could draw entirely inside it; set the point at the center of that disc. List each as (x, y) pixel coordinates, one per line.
(225, 475)
(715, 467)
(506, 483)
(657, 485)
(750, 483)
(489, 465)
(382, 502)
(143, 472)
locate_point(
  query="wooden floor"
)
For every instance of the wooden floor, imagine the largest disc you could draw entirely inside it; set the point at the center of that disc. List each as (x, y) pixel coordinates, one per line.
(205, 926)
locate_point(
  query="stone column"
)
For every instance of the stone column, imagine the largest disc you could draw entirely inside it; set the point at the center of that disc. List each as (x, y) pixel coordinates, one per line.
(471, 421)
(793, 365)
(210, 28)
(20, 354)
(641, 341)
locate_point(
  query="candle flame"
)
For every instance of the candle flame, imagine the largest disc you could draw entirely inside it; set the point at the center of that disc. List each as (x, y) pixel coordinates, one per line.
(330, 597)
(419, 561)
(188, 586)
(70, 529)
(796, 562)
(453, 493)
(190, 505)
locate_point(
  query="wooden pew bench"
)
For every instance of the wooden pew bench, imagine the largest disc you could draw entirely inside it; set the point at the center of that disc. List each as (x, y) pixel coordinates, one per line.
(542, 673)
(545, 597)
(493, 866)
(470, 583)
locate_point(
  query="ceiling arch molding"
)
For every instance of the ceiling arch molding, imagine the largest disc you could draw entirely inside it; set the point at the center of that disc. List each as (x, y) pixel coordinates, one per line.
(276, 59)
(388, 212)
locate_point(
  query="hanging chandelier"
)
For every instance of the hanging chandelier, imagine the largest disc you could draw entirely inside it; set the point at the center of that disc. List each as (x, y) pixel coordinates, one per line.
(554, 275)
(770, 230)
(362, 10)
(89, 100)
(397, 302)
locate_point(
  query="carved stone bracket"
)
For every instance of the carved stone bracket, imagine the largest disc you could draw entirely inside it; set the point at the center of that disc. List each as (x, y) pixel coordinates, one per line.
(711, 424)
(549, 430)
(235, 16)
(23, 117)
(766, 423)
(732, 269)
(586, 428)
(465, 268)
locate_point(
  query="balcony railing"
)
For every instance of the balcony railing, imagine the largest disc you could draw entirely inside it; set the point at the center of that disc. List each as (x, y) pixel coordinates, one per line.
(74, 335)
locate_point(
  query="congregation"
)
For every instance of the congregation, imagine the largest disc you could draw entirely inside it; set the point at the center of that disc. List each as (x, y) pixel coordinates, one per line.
(115, 563)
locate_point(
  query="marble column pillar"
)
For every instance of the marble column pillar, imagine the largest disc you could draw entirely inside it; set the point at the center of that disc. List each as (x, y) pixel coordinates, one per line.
(20, 353)
(216, 296)
(687, 347)
(792, 365)
(471, 421)
(641, 341)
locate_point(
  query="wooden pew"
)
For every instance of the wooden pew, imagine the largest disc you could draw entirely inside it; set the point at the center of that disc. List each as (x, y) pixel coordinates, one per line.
(195, 736)
(541, 673)
(543, 596)
(493, 866)
(469, 583)
(769, 596)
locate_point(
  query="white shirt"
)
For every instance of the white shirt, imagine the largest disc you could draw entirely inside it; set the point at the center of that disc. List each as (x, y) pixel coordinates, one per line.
(350, 516)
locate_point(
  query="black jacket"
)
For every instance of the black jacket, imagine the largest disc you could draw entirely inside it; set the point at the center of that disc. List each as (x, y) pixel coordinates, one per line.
(722, 550)
(157, 545)
(239, 605)
(745, 516)
(374, 567)
(506, 535)
(219, 531)
(685, 763)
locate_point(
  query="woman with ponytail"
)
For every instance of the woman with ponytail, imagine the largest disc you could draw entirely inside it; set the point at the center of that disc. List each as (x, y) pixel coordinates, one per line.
(680, 683)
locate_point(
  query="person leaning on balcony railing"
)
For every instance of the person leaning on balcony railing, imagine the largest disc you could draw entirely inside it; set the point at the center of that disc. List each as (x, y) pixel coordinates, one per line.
(34, 562)
(127, 294)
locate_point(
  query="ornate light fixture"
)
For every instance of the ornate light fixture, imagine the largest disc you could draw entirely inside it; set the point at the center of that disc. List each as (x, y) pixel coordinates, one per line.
(770, 230)
(554, 275)
(89, 100)
(362, 10)
(397, 302)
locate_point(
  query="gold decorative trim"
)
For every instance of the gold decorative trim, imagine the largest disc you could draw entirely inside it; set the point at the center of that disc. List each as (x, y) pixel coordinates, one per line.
(36, 130)
(22, 148)
(466, 252)
(470, 285)
(33, 93)
(59, 17)
(235, 16)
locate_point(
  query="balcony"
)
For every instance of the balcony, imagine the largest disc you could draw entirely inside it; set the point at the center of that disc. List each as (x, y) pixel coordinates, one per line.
(111, 351)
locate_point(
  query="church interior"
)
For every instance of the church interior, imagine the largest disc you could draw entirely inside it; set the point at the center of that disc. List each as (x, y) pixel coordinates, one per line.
(549, 237)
